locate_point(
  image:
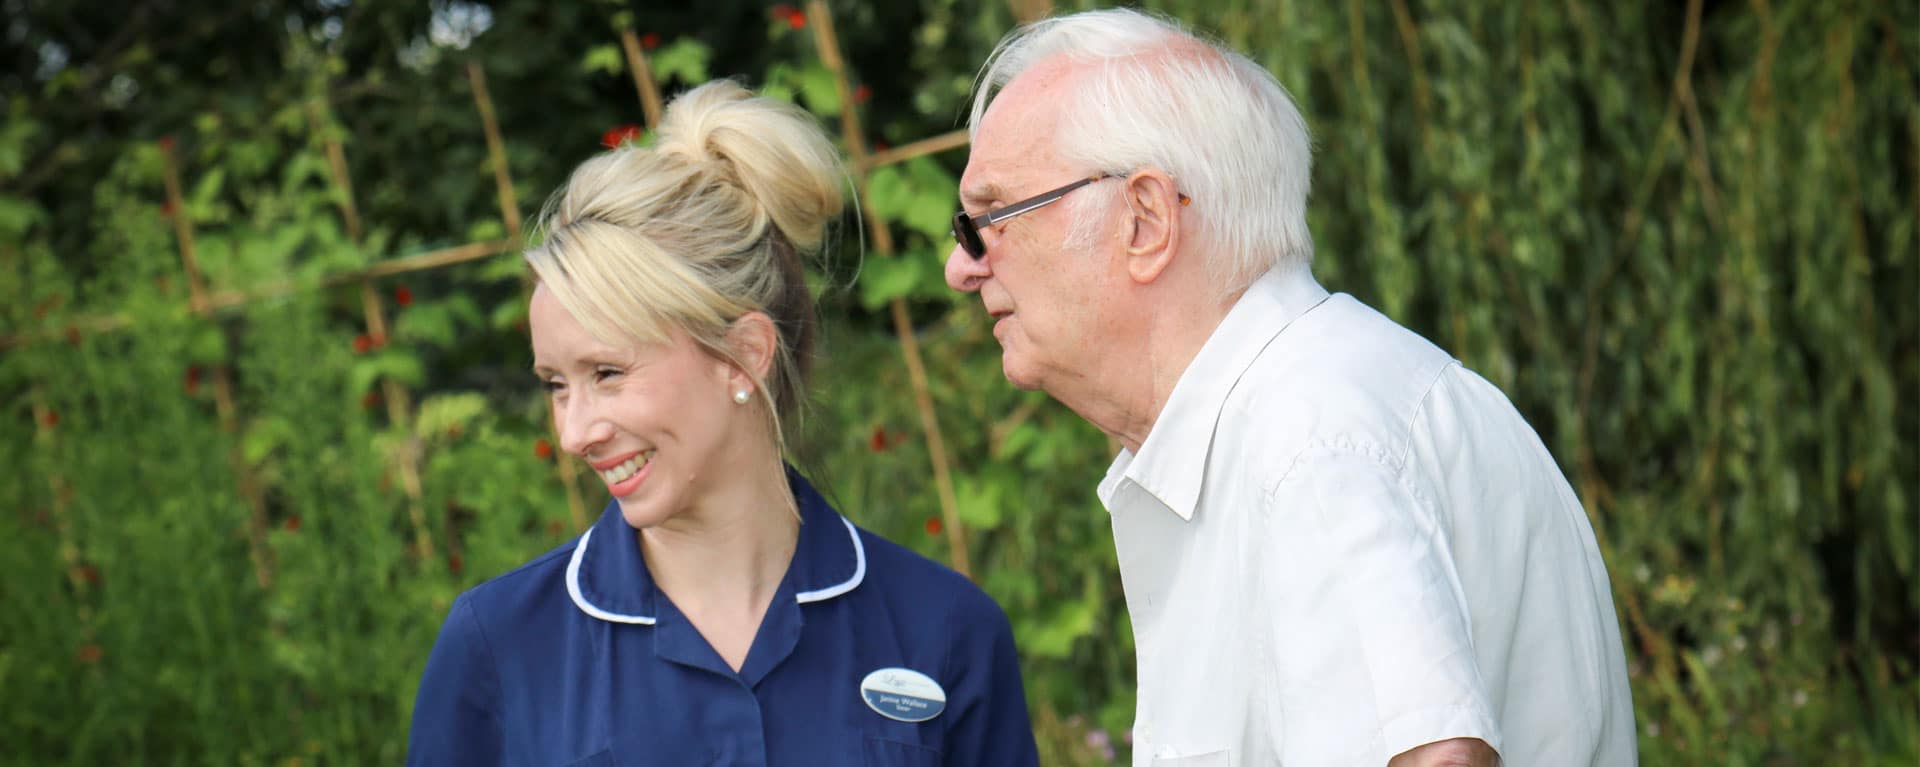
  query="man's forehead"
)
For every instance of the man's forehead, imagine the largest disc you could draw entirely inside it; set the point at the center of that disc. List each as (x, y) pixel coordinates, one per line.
(1015, 136)
(999, 162)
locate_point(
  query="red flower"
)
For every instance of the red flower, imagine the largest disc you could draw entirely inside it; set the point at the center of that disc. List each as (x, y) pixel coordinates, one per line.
(934, 526)
(797, 19)
(862, 94)
(193, 379)
(90, 653)
(166, 143)
(292, 524)
(649, 41)
(556, 529)
(167, 209)
(73, 336)
(403, 296)
(368, 400)
(87, 573)
(366, 342)
(881, 146)
(51, 419)
(619, 134)
(878, 442)
(542, 449)
(454, 564)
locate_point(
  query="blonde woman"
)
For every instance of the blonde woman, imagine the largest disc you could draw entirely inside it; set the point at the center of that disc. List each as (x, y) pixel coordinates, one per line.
(719, 612)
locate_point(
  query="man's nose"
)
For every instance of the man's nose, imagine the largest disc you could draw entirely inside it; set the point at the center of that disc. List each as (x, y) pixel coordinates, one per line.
(964, 272)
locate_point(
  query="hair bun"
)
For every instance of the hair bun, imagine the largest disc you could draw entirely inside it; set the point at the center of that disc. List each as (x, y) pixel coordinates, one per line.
(771, 149)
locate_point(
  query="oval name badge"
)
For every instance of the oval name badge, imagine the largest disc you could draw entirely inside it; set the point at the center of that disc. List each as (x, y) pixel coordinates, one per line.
(903, 695)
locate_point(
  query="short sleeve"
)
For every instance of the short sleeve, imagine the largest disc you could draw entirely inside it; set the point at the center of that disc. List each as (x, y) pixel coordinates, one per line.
(987, 702)
(1373, 649)
(456, 715)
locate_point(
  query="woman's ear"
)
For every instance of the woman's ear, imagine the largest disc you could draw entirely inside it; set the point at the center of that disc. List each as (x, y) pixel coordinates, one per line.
(754, 342)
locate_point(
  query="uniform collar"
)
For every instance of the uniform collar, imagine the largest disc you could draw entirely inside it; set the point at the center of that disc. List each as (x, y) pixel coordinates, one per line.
(1171, 464)
(608, 578)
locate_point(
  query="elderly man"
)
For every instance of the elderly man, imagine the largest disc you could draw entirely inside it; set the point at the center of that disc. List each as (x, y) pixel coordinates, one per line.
(1339, 546)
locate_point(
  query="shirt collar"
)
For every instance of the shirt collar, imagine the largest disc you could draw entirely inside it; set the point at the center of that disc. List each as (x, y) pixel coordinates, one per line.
(1171, 464)
(608, 578)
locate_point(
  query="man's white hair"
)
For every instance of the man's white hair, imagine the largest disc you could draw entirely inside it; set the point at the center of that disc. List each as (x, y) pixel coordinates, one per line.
(1160, 97)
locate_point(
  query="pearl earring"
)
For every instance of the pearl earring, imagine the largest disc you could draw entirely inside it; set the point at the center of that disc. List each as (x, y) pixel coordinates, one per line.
(740, 397)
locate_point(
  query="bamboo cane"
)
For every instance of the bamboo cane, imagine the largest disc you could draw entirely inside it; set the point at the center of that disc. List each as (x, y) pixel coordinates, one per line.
(399, 402)
(642, 78)
(61, 493)
(921, 148)
(1029, 11)
(563, 467)
(496, 151)
(829, 50)
(221, 300)
(250, 491)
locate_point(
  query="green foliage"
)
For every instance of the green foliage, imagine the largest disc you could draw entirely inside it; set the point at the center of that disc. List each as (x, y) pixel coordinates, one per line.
(1684, 248)
(917, 194)
(684, 61)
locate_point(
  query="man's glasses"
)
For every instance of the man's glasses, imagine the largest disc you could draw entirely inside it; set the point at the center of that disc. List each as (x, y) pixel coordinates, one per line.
(966, 228)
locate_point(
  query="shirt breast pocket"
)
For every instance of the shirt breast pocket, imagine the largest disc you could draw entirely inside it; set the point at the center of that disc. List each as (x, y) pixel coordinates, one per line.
(881, 752)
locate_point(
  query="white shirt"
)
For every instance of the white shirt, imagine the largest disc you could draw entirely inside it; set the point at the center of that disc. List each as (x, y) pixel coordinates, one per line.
(1339, 544)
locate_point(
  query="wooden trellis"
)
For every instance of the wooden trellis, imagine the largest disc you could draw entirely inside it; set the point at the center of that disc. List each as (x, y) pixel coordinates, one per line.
(222, 380)
(207, 304)
(855, 137)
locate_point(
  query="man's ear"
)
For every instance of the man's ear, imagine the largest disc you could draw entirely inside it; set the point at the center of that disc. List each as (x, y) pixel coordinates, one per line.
(1153, 207)
(754, 342)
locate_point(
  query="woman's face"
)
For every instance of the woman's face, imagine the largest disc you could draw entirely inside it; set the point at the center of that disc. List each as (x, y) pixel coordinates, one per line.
(657, 422)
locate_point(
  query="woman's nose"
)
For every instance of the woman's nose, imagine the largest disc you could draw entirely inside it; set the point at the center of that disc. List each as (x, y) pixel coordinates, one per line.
(579, 425)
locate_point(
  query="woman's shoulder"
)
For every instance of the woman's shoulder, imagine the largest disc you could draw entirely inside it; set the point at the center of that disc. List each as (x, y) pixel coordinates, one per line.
(525, 591)
(909, 579)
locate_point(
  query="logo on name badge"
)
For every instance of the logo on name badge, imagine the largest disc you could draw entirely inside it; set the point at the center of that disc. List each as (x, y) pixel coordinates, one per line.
(903, 695)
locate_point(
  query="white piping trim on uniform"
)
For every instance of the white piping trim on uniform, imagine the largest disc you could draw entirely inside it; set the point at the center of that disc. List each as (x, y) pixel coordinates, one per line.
(580, 601)
(573, 589)
(859, 571)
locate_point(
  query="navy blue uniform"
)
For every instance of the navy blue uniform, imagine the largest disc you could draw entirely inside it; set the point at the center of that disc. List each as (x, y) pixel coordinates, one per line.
(576, 659)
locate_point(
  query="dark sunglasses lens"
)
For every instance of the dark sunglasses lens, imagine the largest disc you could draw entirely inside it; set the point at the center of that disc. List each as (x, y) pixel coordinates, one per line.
(968, 237)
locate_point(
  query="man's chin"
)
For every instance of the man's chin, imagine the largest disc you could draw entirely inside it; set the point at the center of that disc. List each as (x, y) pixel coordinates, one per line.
(1020, 378)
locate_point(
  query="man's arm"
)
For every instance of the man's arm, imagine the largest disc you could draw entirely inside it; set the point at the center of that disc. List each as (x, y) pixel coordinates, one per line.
(1458, 752)
(1373, 647)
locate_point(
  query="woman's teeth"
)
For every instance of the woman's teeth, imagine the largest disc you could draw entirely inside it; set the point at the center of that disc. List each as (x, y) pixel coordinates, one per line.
(620, 473)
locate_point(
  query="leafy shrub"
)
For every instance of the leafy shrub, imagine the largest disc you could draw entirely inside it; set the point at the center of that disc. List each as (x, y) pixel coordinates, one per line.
(1681, 238)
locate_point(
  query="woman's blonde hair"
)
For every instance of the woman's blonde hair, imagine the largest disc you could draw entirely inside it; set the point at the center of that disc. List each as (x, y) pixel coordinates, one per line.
(701, 226)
